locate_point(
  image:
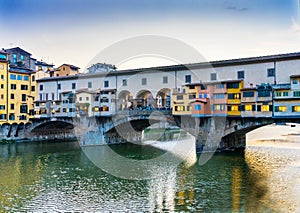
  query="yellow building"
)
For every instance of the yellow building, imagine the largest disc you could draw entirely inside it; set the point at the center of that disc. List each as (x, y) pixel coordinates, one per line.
(21, 94)
(234, 97)
(180, 102)
(3, 87)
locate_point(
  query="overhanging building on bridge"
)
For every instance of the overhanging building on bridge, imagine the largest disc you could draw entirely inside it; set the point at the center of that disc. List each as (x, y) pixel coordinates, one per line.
(228, 83)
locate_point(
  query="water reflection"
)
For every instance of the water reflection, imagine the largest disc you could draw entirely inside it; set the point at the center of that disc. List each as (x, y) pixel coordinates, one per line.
(59, 177)
(275, 175)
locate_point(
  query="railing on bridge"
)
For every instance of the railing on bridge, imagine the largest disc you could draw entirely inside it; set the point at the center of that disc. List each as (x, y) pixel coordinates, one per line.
(144, 112)
(123, 116)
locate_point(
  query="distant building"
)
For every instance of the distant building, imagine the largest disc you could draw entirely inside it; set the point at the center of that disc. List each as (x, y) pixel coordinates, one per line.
(20, 58)
(101, 67)
(65, 70)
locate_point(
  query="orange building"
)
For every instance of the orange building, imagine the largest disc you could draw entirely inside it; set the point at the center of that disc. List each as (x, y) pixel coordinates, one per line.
(65, 70)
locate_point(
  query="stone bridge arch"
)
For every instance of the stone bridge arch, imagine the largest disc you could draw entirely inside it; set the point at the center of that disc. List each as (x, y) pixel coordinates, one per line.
(52, 126)
(235, 134)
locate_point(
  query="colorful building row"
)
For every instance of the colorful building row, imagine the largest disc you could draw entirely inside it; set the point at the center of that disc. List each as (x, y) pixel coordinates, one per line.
(19, 73)
(230, 98)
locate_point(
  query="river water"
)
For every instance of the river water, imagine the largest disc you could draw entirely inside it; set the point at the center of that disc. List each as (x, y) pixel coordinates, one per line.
(55, 177)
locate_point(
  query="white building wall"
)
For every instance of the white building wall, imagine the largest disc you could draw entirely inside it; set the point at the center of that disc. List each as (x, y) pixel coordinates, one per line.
(285, 69)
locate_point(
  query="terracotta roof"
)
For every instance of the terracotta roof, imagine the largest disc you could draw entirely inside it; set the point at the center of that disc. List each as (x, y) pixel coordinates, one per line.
(70, 65)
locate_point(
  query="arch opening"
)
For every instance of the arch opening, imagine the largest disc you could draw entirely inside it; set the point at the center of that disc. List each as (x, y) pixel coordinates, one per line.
(163, 99)
(125, 100)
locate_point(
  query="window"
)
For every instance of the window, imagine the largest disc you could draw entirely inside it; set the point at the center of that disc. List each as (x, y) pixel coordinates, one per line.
(179, 108)
(285, 94)
(33, 78)
(192, 96)
(89, 85)
(188, 79)
(265, 108)
(296, 108)
(1, 65)
(2, 86)
(11, 117)
(197, 107)
(297, 94)
(23, 109)
(2, 107)
(22, 57)
(264, 93)
(80, 98)
(2, 77)
(124, 82)
(71, 109)
(24, 87)
(87, 98)
(213, 76)
(104, 108)
(104, 100)
(220, 86)
(248, 94)
(165, 79)
(73, 85)
(233, 108)
(2, 116)
(219, 96)
(12, 77)
(64, 109)
(26, 78)
(234, 96)
(58, 86)
(12, 96)
(12, 106)
(179, 97)
(280, 108)
(2, 96)
(13, 86)
(19, 77)
(106, 83)
(233, 85)
(144, 81)
(41, 87)
(32, 88)
(46, 96)
(295, 81)
(14, 58)
(52, 96)
(241, 74)
(41, 96)
(220, 107)
(97, 98)
(192, 86)
(248, 107)
(271, 72)
(96, 109)
(23, 97)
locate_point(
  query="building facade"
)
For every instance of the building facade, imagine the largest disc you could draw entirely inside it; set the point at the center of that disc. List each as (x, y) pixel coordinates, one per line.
(235, 88)
(65, 70)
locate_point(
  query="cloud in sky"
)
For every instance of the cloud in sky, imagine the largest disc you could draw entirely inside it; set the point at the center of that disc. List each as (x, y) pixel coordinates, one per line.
(74, 31)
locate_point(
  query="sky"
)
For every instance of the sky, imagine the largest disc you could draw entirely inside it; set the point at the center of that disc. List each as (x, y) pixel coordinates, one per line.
(74, 31)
